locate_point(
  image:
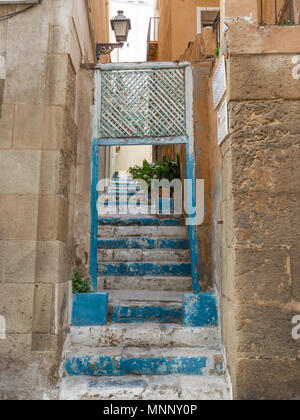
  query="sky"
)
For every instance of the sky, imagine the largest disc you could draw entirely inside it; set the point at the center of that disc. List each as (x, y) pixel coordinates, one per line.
(139, 12)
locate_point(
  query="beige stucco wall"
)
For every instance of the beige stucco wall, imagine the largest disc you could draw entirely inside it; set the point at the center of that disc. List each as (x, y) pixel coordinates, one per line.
(44, 132)
(178, 26)
(131, 156)
(100, 18)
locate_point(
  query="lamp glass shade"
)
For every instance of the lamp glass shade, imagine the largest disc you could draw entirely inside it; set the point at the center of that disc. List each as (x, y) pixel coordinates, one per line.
(121, 26)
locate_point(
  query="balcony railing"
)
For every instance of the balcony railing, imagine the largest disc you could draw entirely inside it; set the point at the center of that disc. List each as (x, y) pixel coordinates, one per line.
(280, 12)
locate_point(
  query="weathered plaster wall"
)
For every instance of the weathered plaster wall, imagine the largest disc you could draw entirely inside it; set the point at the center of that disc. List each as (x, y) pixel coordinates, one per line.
(100, 18)
(260, 210)
(178, 26)
(41, 114)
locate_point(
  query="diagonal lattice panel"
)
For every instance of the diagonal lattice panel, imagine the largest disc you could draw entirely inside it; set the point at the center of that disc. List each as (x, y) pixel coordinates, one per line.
(142, 103)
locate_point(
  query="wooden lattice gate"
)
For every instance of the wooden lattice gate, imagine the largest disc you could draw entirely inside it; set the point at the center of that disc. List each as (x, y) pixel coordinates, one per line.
(144, 104)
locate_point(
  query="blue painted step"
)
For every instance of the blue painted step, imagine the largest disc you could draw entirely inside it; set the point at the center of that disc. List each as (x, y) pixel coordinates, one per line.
(136, 361)
(154, 314)
(139, 221)
(144, 269)
(143, 243)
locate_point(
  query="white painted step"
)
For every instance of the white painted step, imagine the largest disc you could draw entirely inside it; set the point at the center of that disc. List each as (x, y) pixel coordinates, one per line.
(180, 284)
(143, 255)
(213, 356)
(141, 296)
(163, 388)
(147, 231)
(159, 335)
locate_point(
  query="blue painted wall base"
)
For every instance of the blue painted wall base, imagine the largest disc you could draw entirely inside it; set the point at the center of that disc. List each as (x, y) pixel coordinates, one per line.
(199, 310)
(90, 309)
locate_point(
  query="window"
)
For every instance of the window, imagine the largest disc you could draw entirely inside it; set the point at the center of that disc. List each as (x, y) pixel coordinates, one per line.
(206, 17)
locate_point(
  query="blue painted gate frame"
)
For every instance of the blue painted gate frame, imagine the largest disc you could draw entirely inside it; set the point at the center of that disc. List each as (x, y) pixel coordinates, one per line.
(187, 140)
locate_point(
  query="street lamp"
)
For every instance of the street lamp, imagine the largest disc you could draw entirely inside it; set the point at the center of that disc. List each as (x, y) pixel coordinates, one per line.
(121, 26)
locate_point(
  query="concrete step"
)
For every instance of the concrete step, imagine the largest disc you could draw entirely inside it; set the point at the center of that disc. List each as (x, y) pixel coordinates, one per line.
(137, 242)
(143, 231)
(143, 255)
(143, 269)
(145, 335)
(137, 306)
(143, 312)
(140, 296)
(150, 283)
(140, 221)
(124, 210)
(120, 361)
(151, 388)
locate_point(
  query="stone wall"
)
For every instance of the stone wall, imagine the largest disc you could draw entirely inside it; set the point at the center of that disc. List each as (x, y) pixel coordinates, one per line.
(261, 215)
(42, 116)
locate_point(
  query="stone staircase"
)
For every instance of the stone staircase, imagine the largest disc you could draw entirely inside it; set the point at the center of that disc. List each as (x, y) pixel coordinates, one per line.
(147, 350)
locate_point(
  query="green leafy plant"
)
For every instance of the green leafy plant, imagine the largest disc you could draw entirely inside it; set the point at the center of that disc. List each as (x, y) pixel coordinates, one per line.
(79, 284)
(217, 51)
(287, 23)
(166, 169)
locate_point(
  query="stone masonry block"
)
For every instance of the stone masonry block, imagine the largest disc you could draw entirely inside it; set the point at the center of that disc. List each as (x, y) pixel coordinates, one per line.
(266, 219)
(25, 178)
(264, 147)
(44, 309)
(263, 274)
(62, 302)
(35, 39)
(5, 136)
(259, 330)
(61, 82)
(15, 351)
(53, 131)
(18, 217)
(268, 379)
(16, 305)
(25, 82)
(6, 125)
(29, 126)
(52, 218)
(36, 172)
(50, 308)
(295, 272)
(262, 77)
(53, 264)
(17, 261)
